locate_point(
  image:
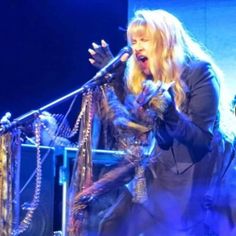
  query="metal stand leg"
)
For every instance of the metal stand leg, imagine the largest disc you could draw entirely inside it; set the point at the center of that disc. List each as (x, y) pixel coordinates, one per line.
(64, 180)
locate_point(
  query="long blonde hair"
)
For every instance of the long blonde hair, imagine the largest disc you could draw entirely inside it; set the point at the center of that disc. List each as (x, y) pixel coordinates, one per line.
(172, 47)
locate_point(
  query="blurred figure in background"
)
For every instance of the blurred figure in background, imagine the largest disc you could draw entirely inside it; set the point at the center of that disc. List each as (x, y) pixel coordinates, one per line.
(53, 133)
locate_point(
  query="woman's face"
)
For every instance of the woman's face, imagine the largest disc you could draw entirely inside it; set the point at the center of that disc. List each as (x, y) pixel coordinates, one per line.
(141, 44)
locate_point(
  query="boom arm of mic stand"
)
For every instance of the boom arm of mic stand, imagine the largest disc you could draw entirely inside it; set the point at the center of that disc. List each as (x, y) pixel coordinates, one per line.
(30, 116)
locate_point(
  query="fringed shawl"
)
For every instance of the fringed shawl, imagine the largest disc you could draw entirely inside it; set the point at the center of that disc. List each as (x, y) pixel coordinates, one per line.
(9, 182)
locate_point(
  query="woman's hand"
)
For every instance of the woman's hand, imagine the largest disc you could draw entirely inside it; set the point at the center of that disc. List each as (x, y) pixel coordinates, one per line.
(156, 96)
(100, 54)
(150, 89)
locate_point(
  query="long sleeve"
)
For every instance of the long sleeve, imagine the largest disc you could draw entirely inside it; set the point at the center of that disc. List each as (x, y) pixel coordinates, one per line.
(195, 128)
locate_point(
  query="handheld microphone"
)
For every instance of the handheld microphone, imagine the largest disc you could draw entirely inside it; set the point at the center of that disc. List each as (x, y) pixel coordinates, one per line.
(114, 63)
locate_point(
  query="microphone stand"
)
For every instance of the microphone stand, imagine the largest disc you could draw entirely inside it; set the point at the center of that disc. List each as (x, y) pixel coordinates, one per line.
(30, 116)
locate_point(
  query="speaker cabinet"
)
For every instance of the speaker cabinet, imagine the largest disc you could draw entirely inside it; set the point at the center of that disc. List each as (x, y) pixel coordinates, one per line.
(42, 221)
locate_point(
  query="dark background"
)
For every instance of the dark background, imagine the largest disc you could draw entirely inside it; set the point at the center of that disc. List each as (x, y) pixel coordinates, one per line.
(44, 48)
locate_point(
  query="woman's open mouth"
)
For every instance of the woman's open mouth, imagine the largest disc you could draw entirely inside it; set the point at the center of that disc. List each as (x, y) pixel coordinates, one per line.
(143, 63)
(142, 58)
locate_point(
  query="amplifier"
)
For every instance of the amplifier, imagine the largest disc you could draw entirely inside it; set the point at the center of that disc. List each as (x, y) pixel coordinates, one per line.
(42, 221)
(57, 164)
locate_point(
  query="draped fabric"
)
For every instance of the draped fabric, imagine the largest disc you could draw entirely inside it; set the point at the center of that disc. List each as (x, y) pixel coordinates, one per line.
(9, 182)
(137, 143)
(82, 171)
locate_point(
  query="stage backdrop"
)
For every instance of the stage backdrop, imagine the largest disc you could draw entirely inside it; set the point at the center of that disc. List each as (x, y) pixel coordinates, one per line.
(44, 47)
(212, 22)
